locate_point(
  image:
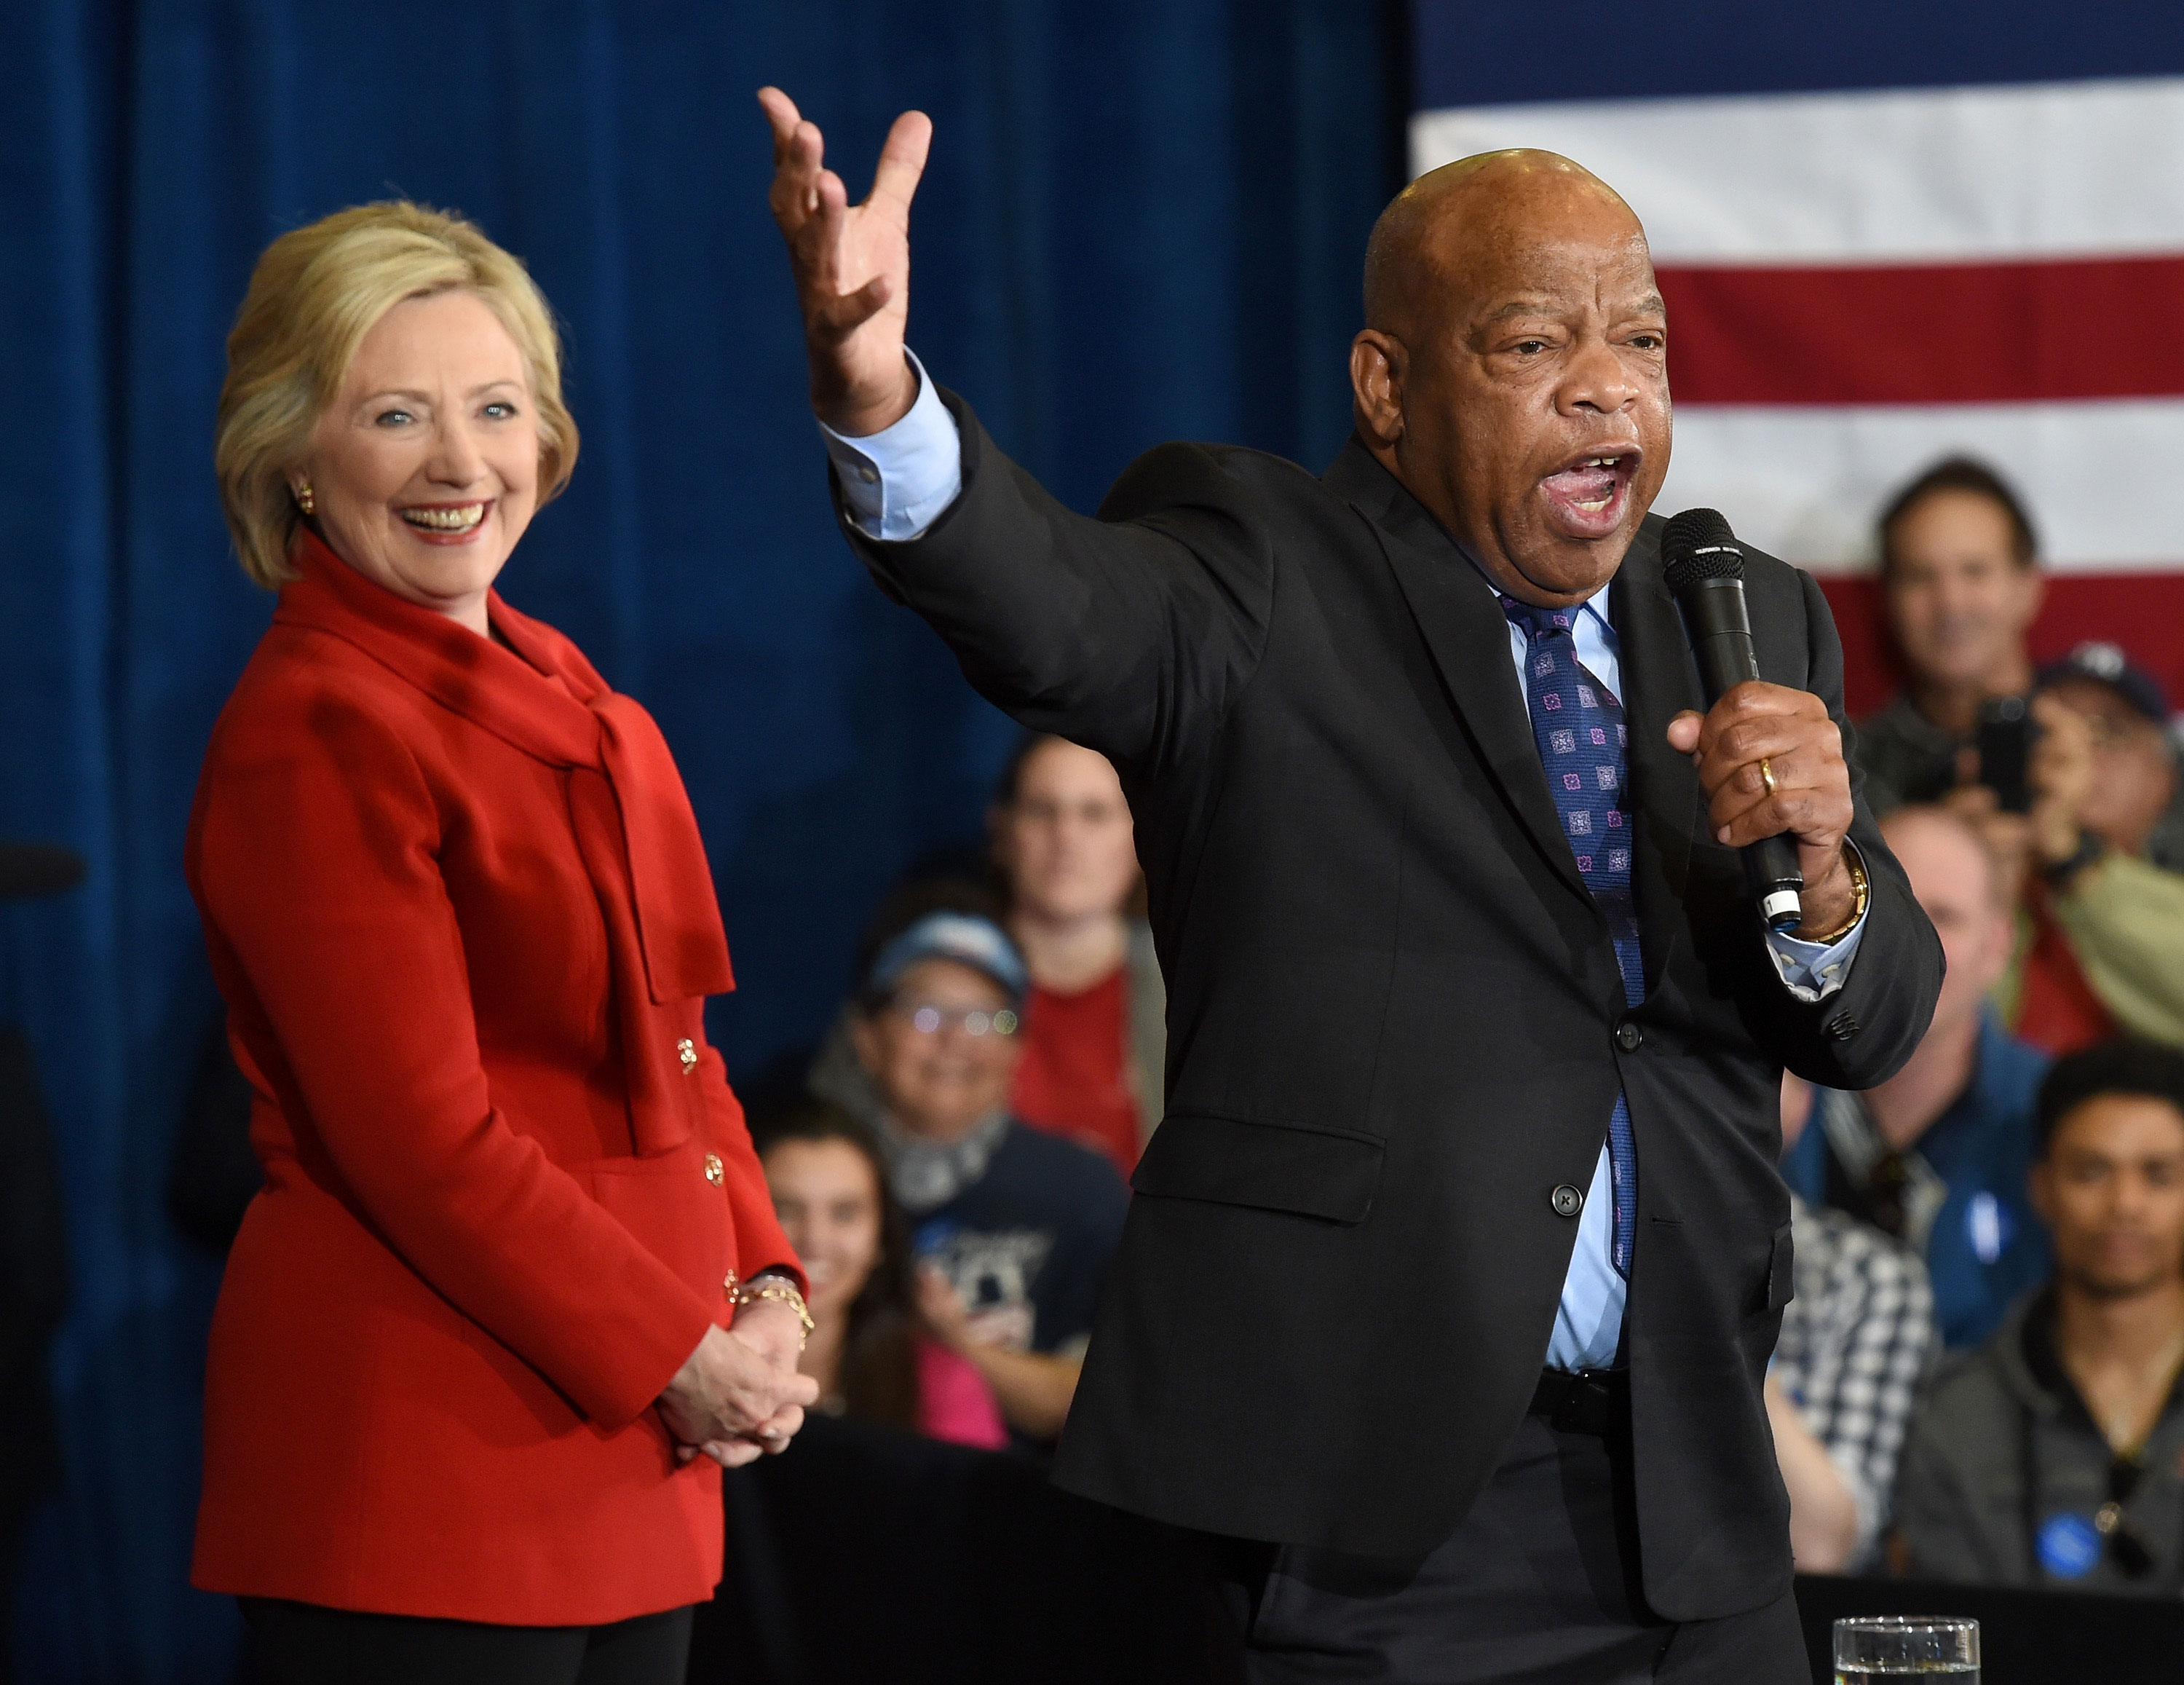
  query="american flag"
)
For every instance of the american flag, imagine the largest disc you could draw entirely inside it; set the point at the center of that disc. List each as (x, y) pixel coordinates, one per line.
(1886, 235)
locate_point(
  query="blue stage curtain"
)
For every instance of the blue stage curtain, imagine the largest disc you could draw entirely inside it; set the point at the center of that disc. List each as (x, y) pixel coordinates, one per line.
(1144, 219)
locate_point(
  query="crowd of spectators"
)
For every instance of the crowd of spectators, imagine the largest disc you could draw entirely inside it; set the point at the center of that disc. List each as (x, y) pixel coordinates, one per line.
(997, 1066)
(1982, 1377)
(2088, 827)
(1010, 1227)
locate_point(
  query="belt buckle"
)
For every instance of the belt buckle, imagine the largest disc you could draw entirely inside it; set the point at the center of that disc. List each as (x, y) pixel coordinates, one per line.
(1584, 1407)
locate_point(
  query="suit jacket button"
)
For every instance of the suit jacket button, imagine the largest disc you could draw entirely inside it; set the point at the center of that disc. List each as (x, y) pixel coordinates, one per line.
(687, 1051)
(1629, 1035)
(1842, 1026)
(1567, 1200)
(714, 1172)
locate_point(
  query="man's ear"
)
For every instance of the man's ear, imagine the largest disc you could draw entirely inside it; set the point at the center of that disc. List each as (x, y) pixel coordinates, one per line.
(1378, 362)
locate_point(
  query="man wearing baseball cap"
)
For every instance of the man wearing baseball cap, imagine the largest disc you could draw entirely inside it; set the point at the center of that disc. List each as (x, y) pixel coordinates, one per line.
(2102, 936)
(1013, 1228)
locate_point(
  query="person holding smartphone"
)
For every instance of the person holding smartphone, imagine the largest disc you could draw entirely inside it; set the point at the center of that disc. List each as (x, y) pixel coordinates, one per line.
(2100, 908)
(1960, 574)
(2067, 771)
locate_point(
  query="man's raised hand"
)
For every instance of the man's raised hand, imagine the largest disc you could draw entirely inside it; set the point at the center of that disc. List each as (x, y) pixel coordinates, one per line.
(851, 265)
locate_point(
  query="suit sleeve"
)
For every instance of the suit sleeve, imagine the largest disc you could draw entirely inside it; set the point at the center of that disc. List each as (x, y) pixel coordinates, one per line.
(1130, 634)
(760, 1242)
(315, 863)
(1862, 1034)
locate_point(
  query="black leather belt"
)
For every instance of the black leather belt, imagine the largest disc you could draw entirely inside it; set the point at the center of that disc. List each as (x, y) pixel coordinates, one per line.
(1583, 1403)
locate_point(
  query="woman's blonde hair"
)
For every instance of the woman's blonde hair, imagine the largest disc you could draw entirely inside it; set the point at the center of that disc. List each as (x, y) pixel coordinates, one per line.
(316, 293)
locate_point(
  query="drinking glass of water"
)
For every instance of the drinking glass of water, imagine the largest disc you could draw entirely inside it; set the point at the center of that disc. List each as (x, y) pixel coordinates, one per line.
(1881, 1650)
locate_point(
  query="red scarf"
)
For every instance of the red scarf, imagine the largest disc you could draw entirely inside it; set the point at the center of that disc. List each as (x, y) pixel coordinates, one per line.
(631, 816)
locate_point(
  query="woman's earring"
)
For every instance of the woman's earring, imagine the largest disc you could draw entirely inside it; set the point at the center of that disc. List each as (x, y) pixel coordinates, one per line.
(304, 500)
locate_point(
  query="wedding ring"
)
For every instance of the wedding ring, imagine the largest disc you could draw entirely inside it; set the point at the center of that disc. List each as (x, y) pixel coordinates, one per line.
(1767, 775)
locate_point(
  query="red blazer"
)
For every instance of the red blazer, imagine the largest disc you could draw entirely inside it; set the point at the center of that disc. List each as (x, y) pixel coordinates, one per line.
(457, 904)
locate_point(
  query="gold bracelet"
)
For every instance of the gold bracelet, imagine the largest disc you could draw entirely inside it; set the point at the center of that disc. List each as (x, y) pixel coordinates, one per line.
(781, 1291)
(1861, 892)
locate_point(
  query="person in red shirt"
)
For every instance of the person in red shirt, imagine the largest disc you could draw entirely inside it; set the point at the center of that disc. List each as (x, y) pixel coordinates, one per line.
(513, 1265)
(1095, 1038)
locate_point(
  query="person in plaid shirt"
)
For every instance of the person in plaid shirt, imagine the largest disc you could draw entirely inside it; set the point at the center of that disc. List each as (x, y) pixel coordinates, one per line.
(1855, 1342)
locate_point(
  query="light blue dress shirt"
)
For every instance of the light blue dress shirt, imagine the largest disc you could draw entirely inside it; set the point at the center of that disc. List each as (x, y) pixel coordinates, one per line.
(897, 482)
(1589, 1319)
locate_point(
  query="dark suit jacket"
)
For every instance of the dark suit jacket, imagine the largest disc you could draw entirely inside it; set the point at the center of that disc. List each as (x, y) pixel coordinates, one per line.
(1393, 1008)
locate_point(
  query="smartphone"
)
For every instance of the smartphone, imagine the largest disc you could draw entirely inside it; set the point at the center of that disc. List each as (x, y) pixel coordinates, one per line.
(2005, 744)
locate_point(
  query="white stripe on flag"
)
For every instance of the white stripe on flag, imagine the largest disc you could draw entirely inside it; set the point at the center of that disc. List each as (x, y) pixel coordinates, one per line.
(1806, 483)
(2065, 168)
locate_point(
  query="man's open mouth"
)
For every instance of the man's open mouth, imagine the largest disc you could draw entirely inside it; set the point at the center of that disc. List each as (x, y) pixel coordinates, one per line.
(1588, 495)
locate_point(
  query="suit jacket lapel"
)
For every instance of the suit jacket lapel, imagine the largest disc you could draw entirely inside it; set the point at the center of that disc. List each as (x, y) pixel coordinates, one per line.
(1468, 637)
(1659, 681)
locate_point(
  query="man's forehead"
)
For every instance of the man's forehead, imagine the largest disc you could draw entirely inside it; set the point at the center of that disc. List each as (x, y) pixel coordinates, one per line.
(1518, 306)
(1458, 225)
(1600, 242)
(2119, 1127)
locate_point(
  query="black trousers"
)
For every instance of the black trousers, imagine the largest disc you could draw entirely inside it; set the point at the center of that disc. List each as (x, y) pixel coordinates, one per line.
(301, 1643)
(1538, 1586)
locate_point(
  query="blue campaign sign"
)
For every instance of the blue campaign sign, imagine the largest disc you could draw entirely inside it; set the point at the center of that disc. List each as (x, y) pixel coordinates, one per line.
(1989, 1226)
(2069, 1545)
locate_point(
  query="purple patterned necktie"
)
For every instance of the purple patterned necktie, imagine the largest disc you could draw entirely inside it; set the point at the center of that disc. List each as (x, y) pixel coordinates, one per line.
(1579, 727)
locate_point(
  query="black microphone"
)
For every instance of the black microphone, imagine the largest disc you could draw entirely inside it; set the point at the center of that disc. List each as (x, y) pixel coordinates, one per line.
(1704, 568)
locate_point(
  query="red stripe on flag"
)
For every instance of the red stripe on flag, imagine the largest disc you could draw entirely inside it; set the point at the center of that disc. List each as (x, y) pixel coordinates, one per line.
(2143, 612)
(1939, 333)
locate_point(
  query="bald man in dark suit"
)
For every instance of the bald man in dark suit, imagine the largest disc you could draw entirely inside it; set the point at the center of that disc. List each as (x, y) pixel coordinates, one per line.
(1444, 1305)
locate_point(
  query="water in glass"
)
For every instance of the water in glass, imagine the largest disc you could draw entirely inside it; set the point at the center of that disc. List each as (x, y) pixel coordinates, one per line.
(1883, 1649)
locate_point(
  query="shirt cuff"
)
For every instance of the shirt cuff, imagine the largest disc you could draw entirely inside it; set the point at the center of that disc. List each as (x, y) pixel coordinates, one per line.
(1809, 970)
(1865, 1503)
(900, 480)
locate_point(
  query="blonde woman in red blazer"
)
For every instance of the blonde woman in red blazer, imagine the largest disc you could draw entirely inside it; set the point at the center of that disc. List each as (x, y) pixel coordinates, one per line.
(515, 1266)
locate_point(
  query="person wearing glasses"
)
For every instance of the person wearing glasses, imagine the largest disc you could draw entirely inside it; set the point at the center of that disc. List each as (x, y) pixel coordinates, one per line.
(2052, 1455)
(1013, 1228)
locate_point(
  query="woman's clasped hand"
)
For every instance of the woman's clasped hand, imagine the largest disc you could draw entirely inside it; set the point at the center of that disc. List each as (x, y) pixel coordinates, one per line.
(740, 1394)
